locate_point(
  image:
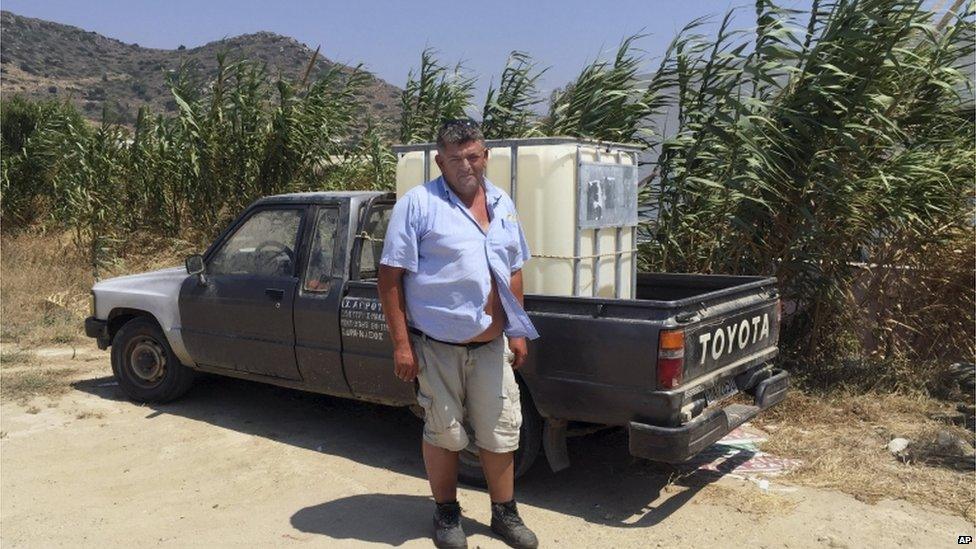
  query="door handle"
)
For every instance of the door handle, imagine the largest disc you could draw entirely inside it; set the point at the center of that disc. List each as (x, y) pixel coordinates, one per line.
(276, 294)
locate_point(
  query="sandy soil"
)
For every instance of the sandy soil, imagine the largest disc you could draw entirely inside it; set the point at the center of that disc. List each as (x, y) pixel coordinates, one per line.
(238, 463)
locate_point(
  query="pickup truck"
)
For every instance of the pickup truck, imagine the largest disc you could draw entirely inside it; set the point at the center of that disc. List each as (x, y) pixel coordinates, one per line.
(287, 295)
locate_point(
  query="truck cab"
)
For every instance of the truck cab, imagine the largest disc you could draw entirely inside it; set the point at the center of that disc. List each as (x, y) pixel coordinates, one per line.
(266, 305)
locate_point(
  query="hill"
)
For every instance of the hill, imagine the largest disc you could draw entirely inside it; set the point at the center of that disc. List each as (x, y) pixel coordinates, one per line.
(44, 60)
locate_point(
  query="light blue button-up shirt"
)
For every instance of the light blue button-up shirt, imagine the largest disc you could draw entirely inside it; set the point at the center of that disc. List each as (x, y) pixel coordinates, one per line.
(450, 260)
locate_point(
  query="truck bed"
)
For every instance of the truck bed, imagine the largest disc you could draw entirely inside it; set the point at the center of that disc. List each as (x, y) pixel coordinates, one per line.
(595, 360)
(684, 287)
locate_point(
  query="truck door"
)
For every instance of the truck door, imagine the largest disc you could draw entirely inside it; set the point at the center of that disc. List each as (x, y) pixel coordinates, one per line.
(367, 352)
(240, 316)
(318, 346)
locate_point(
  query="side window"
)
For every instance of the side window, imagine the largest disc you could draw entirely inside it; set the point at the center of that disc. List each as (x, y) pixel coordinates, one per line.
(372, 242)
(318, 274)
(264, 245)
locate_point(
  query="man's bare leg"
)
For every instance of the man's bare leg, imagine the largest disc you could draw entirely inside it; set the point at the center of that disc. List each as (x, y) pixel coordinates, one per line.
(500, 474)
(442, 472)
(505, 520)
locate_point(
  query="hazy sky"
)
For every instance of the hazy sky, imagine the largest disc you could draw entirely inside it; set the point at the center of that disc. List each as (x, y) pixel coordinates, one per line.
(388, 36)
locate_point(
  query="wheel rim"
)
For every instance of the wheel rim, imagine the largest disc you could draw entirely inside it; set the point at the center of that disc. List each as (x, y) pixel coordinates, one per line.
(147, 362)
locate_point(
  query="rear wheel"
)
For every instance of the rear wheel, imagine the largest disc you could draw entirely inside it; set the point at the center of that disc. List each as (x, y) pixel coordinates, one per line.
(144, 364)
(530, 442)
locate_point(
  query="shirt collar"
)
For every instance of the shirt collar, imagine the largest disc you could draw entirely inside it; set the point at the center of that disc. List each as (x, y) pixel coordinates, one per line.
(492, 193)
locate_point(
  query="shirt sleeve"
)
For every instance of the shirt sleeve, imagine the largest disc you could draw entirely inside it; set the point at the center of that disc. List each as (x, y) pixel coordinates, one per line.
(402, 242)
(523, 250)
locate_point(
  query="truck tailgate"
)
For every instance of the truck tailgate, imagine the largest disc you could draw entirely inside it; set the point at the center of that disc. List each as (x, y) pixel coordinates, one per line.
(734, 338)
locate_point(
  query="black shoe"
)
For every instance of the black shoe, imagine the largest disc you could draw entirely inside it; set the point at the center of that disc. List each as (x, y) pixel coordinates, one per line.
(506, 522)
(447, 527)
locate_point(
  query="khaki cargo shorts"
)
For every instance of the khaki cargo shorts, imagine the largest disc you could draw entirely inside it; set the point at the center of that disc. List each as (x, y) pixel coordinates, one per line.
(463, 388)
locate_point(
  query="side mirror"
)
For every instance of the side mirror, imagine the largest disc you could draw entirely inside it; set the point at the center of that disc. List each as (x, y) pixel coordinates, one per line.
(196, 266)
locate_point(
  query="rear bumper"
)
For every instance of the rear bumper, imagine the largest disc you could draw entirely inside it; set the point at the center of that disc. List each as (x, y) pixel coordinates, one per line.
(678, 444)
(98, 329)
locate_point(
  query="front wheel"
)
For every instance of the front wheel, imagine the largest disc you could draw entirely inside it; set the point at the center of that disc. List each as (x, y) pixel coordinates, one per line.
(530, 442)
(144, 364)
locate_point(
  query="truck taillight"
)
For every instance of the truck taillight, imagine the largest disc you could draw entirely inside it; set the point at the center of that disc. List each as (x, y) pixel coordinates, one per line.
(670, 358)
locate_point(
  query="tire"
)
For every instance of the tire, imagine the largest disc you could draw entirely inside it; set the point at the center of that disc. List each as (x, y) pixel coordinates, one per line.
(530, 442)
(144, 364)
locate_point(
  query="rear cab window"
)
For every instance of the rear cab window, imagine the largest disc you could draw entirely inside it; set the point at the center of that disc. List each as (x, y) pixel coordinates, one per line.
(371, 240)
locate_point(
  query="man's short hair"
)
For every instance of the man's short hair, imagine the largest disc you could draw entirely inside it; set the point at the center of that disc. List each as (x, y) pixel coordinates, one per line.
(458, 132)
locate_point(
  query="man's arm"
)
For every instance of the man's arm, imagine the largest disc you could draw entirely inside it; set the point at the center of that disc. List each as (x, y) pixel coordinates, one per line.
(517, 287)
(518, 345)
(394, 309)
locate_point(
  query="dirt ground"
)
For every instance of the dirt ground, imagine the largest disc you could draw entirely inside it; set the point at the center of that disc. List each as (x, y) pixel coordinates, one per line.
(239, 463)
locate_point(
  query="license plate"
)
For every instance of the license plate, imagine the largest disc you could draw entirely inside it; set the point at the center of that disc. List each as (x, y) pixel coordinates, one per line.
(720, 391)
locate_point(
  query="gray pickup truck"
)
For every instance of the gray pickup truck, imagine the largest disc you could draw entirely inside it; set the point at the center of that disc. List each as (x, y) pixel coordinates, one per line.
(287, 295)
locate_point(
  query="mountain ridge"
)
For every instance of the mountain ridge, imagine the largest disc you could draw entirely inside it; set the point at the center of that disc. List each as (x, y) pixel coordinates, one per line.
(42, 59)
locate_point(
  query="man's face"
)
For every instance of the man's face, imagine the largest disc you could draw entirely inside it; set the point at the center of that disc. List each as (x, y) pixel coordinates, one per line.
(463, 165)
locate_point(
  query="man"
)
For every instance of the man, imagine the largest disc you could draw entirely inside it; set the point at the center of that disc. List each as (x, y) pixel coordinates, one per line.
(450, 281)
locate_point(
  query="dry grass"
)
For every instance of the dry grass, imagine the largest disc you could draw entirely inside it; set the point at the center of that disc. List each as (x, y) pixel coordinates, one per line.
(842, 440)
(45, 283)
(89, 414)
(749, 500)
(21, 386)
(16, 357)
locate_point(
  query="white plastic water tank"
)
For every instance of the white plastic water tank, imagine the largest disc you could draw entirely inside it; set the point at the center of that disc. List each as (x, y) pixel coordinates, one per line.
(577, 202)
